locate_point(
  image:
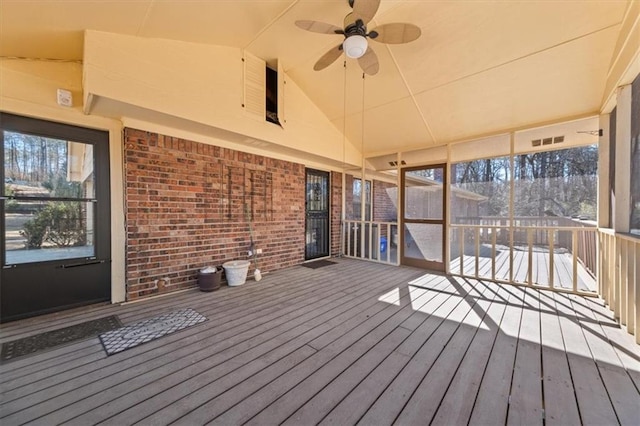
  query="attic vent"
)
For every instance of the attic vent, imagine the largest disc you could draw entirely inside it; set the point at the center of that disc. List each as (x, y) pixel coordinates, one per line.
(395, 163)
(536, 142)
(558, 139)
(547, 141)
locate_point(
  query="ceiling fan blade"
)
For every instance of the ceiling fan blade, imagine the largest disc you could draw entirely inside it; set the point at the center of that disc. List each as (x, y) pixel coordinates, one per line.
(328, 58)
(369, 62)
(395, 33)
(319, 27)
(365, 9)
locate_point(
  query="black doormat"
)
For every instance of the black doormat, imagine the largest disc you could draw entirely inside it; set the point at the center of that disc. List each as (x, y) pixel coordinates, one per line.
(145, 331)
(51, 339)
(318, 264)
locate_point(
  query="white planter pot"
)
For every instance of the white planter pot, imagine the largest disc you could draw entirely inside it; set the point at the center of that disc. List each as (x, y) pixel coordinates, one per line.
(236, 272)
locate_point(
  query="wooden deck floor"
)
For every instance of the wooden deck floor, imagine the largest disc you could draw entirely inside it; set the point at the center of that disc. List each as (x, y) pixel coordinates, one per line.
(540, 267)
(355, 342)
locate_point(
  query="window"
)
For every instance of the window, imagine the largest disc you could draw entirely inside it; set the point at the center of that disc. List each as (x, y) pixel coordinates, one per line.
(480, 188)
(357, 197)
(560, 183)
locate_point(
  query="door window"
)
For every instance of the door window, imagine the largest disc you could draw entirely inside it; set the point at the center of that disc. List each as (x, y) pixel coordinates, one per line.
(49, 199)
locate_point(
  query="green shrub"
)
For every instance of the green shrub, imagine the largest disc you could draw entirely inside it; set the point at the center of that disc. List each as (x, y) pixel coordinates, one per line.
(35, 230)
(59, 223)
(65, 224)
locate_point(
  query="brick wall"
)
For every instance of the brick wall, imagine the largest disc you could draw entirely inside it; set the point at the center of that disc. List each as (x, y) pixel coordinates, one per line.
(186, 207)
(384, 201)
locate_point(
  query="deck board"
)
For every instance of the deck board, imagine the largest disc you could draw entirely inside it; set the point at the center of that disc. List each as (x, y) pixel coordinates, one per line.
(561, 406)
(457, 404)
(426, 398)
(356, 342)
(526, 405)
(593, 401)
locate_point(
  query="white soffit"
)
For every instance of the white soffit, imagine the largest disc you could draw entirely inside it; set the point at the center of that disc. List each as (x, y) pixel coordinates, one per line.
(573, 133)
(495, 146)
(435, 155)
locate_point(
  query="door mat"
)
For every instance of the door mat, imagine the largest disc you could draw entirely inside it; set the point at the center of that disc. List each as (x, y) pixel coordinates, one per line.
(145, 331)
(318, 264)
(51, 339)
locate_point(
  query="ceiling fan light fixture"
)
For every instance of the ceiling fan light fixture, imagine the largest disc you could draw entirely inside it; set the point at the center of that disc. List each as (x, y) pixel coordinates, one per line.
(355, 46)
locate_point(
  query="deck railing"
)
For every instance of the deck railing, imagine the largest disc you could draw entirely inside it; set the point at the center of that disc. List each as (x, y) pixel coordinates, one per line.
(539, 226)
(370, 240)
(554, 257)
(619, 280)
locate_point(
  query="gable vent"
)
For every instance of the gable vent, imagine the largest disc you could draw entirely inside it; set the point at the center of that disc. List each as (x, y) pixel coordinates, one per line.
(395, 163)
(536, 142)
(558, 139)
(547, 141)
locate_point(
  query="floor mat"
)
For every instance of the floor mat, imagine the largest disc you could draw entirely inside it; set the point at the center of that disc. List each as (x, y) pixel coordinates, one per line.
(51, 339)
(318, 264)
(145, 331)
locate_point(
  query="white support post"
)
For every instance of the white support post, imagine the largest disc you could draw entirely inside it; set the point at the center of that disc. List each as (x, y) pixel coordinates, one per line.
(604, 221)
(512, 185)
(622, 210)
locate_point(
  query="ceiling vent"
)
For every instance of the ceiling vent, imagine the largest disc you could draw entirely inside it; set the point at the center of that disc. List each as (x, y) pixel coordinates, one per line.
(547, 141)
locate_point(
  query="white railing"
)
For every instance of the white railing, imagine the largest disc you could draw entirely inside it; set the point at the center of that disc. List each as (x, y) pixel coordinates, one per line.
(619, 279)
(369, 240)
(559, 258)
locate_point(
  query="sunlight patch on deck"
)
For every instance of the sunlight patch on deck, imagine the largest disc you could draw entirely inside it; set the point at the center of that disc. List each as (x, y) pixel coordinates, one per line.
(392, 297)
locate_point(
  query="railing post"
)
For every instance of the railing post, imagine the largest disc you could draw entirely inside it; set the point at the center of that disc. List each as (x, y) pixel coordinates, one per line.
(462, 251)
(477, 236)
(616, 281)
(631, 289)
(493, 254)
(623, 282)
(551, 262)
(530, 246)
(574, 250)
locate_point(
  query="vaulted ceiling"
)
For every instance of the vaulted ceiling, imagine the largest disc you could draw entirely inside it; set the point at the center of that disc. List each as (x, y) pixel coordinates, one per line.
(479, 67)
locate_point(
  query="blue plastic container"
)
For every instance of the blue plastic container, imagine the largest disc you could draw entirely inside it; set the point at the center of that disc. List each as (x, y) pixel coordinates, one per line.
(383, 244)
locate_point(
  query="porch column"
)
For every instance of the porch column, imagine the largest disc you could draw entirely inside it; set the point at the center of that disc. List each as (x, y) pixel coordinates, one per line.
(622, 203)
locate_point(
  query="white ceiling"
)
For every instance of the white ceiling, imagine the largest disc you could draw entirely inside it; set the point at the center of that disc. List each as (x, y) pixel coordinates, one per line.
(479, 68)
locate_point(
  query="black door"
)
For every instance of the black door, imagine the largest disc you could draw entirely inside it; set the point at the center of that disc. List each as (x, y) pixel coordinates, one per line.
(317, 214)
(55, 225)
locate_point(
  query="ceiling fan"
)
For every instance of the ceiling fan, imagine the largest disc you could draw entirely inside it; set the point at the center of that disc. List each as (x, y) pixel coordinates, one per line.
(355, 34)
